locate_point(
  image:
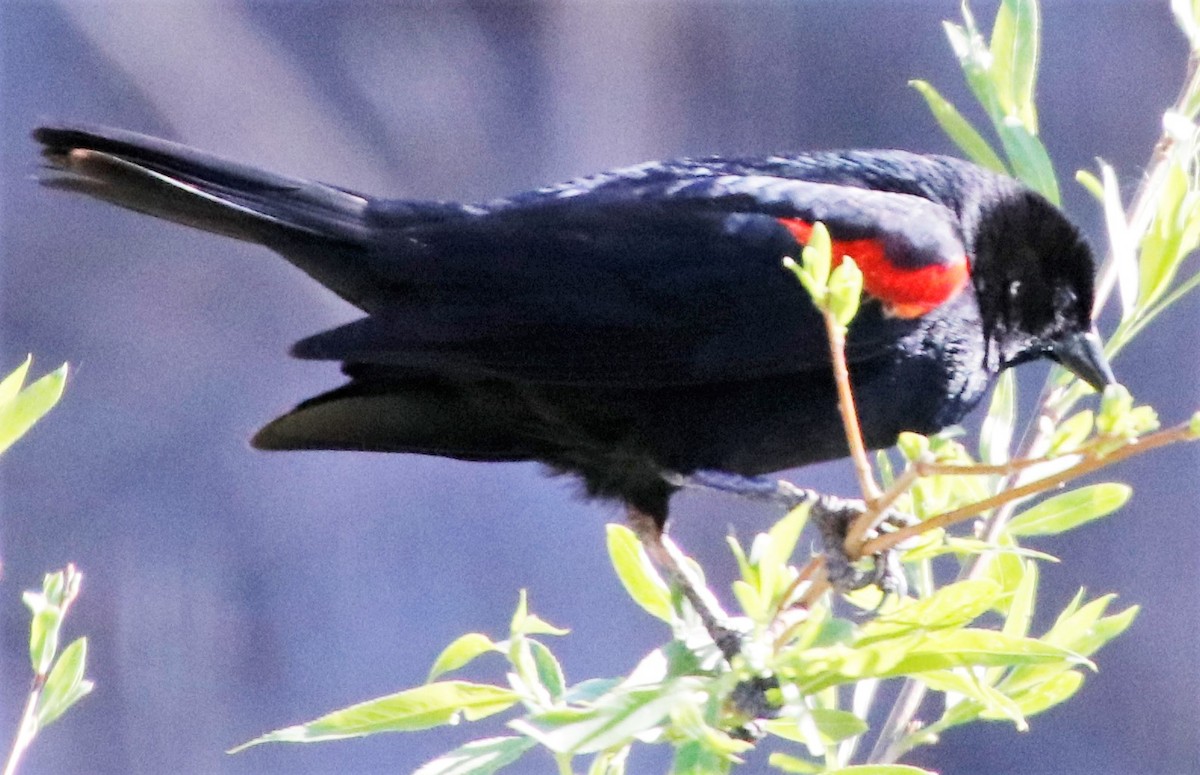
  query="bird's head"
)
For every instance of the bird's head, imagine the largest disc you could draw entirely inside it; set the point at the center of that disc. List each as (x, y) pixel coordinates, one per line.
(1034, 276)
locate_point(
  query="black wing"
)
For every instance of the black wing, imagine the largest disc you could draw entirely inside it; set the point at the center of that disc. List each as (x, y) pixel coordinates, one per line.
(667, 282)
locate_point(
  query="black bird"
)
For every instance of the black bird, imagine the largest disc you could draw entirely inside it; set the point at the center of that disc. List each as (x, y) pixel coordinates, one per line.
(636, 326)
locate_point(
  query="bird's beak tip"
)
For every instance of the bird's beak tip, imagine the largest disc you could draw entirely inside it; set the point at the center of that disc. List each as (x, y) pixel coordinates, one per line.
(1083, 355)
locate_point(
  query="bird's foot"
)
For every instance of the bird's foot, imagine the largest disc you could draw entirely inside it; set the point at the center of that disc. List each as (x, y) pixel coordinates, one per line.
(833, 516)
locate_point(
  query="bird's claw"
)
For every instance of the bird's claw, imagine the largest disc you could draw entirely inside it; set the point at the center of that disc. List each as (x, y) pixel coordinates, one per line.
(833, 517)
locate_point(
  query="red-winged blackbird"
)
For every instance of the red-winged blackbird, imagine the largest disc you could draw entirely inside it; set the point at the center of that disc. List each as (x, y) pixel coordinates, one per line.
(637, 325)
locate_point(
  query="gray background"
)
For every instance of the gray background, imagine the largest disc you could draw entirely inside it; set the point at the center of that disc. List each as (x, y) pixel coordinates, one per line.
(230, 591)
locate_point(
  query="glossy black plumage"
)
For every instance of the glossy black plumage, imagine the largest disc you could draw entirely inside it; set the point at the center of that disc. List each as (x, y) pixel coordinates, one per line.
(636, 323)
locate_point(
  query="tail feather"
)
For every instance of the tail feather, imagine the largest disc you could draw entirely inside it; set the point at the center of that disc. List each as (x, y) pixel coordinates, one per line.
(420, 416)
(326, 231)
(178, 183)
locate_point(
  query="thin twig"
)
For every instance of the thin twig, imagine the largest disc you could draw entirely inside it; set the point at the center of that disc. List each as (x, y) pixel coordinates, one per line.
(854, 437)
(1162, 438)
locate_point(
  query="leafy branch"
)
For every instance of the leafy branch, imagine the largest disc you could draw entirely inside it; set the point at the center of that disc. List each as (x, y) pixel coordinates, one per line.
(58, 678)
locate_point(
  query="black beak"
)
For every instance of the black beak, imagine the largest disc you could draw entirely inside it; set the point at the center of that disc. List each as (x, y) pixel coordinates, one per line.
(1083, 355)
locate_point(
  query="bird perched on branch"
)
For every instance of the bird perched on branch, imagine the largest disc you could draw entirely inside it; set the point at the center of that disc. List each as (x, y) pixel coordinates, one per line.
(636, 327)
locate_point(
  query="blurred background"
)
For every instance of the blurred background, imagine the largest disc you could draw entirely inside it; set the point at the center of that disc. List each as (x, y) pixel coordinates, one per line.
(229, 591)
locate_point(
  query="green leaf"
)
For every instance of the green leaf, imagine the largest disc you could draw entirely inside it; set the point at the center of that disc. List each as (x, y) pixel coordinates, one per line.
(43, 638)
(817, 257)
(975, 59)
(1005, 568)
(1030, 162)
(1091, 183)
(430, 705)
(10, 386)
(986, 700)
(913, 446)
(786, 763)
(611, 721)
(1070, 509)
(770, 556)
(65, 685)
(637, 573)
(525, 623)
(1115, 404)
(995, 437)
(1121, 240)
(549, 672)
(20, 413)
(951, 606)
(831, 725)
(959, 129)
(478, 757)
(880, 769)
(974, 647)
(1014, 49)
(1020, 607)
(695, 758)
(835, 726)
(1045, 695)
(845, 291)
(1072, 432)
(464, 649)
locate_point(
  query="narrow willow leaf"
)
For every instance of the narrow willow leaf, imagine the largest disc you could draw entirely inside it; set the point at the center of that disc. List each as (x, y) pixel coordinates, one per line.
(1020, 608)
(1030, 162)
(637, 574)
(695, 758)
(845, 291)
(549, 672)
(951, 606)
(611, 721)
(1083, 631)
(974, 59)
(1046, 695)
(1107, 628)
(1121, 241)
(10, 386)
(1070, 509)
(959, 129)
(1072, 432)
(464, 649)
(430, 705)
(880, 769)
(990, 702)
(817, 257)
(1006, 569)
(478, 757)
(65, 685)
(43, 638)
(1014, 49)
(995, 437)
(973, 647)
(1091, 184)
(780, 544)
(786, 763)
(19, 414)
(837, 725)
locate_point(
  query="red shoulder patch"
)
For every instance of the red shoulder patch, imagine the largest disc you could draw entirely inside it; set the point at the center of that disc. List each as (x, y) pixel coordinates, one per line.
(904, 292)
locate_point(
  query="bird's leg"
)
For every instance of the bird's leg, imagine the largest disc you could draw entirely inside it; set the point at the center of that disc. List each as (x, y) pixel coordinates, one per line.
(759, 488)
(833, 517)
(663, 553)
(749, 696)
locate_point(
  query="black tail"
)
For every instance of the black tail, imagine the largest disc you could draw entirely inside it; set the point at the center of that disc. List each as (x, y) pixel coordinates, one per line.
(324, 230)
